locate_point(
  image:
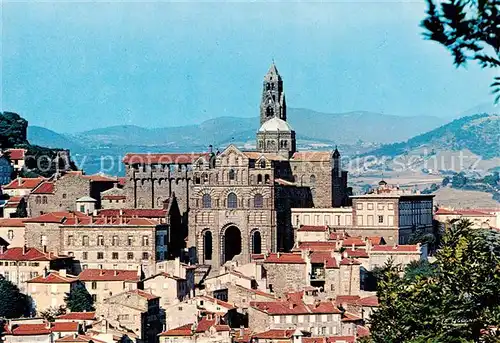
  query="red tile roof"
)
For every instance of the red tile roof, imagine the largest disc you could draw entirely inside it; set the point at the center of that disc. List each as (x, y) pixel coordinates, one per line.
(348, 261)
(78, 218)
(133, 212)
(331, 339)
(78, 339)
(16, 154)
(24, 183)
(376, 240)
(357, 253)
(55, 217)
(362, 331)
(145, 295)
(13, 202)
(286, 258)
(64, 327)
(396, 248)
(184, 330)
(312, 228)
(356, 241)
(347, 299)
(294, 307)
(27, 329)
(349, 317)
(184, 158)
(54, 277)
(274, 334)
(324, 257)
(46, 187)
(78, 316)
(204, 324)
(108, 275)
(321, 246)
(29, 254)
(369, 301)
(12, 222)
(122, 181)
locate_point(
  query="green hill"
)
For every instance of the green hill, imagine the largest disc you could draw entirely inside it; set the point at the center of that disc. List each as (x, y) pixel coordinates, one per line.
(479, 133)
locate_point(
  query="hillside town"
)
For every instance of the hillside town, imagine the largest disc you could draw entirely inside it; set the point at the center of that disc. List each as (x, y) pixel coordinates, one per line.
(268, 245)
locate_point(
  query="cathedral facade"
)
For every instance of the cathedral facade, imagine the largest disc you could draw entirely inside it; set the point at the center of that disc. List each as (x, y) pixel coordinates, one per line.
(237, 203)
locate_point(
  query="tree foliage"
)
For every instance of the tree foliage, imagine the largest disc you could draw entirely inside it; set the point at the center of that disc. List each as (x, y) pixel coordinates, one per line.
(455, 299)
(12, 130)
(469, 29)
(51, 313)
(13, 303)
(79, 299)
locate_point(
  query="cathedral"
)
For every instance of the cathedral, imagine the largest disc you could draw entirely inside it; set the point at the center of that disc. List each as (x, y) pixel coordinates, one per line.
(237, 203)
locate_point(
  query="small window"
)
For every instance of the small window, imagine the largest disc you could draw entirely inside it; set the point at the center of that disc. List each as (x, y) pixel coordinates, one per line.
(130, 240)
(130, 256)
(262, 164)
(100, 240)
(10, 234)
(145, 241)
(380, 219)
(145, 256)
(94, 298)
(258, 201)
(114, 256)
(232, 175)
(114, 241)
(85, 255)
(312, 179)
(232, 200)
(85, 241)
(94, 285)
(206, 201)
(100, 255)
(64, 196)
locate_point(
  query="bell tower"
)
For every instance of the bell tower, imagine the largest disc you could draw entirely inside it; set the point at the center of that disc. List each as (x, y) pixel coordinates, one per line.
(273, 97)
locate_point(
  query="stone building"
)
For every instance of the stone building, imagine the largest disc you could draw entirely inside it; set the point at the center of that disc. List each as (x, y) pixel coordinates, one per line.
(101, 242)
(50, 289)
(20, 264)
(12, 231)
(208, 329)
(136, 311)
(103, 283)
(237, 203)
(61, 192)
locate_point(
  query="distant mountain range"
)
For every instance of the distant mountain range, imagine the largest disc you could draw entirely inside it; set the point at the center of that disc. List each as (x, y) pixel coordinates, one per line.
(479, 133)
(340, 128)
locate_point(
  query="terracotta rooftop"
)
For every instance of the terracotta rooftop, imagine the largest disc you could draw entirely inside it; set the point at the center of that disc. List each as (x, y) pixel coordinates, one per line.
(24, 183)
(312, 228)
(133, 212)
(274, 334)
(78, 218)
(29, 254)
(347, 299)
(141, 293)
(64, 326)
(356, 253)
(356, 241)
(369, 301)
(330, 339)
(108, 275)
(362, 331)
(186, 158)
(286, 258)
(40, 329)
(294, 307)
(349, 317)
(324, 257)
(78, 339)
(16, 154)
(184, 330)
(54, 277)
(376, 240)
(78, 316)
(46, 187)
(318, 246)
(12, 222)
(348, 261)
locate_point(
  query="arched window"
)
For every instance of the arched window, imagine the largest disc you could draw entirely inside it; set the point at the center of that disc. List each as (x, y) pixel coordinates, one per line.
(263, 164)
(269, 112)
(232, 175)
(259, 179)
(38, 200)
(206, 201)
(312, 180)
(258, 201)
(232, 200)
(256, 243)
(267, 178)
(44, 199)
(204, 178)
(207, 246)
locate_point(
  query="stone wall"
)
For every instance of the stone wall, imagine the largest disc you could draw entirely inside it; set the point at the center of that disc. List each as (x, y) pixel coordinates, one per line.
(283, 278)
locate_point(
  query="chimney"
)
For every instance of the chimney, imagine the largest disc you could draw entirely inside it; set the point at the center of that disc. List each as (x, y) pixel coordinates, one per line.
(210, 148)
(101, 272)
(242, 331)
(45, 272)
(19, 182)
(62, 272)
(45, 249)
(25, 250)
(121, 212)
(115, 273)
(2, 249)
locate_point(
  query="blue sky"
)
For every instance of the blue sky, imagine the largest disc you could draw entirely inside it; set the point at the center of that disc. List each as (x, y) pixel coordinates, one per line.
(72, 66)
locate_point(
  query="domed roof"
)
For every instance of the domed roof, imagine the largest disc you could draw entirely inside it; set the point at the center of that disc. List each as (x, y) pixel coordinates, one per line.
(275, 124)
